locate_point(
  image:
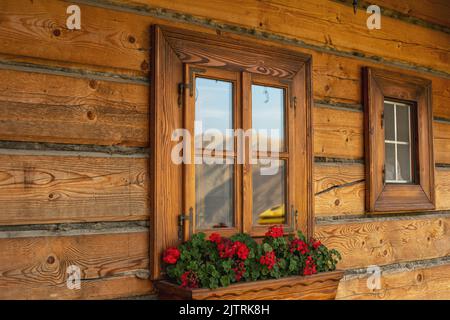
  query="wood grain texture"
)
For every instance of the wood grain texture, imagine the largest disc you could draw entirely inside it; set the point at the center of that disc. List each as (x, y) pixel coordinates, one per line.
(338, 133)
(337, 80)
(49, 108)
(339, 189)
(367, 243)
(429, 283)
(442, 188)
(166, 202)
(327, 24)
(92, 289)
(36, 267)
(107, 34)
(55, 189)
(435, 11)
(38, 29)
(442, 142)
(321, 286)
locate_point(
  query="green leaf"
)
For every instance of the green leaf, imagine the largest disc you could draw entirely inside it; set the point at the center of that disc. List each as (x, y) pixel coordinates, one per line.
(267, 247)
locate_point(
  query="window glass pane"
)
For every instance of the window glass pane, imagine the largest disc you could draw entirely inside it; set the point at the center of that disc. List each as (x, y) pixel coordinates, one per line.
(390, 160)
(389, 130)
(268, 118)
(214, 108)
(214, 195)
(403, 163)
(269, 193)
(402, 123)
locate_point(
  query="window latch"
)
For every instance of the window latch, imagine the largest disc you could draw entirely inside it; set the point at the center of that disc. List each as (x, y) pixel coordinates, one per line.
(182, 218)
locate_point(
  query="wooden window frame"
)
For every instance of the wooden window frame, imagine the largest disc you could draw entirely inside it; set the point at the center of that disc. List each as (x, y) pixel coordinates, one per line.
(173, 52)
(381, 85)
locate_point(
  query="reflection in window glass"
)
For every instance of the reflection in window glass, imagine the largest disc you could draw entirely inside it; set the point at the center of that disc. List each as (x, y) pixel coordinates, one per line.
(403, 162)
(268, 118)
(398, 157)
(214, 185)
(390, 161)
(389, 121)
(269, 194)
(214, 108)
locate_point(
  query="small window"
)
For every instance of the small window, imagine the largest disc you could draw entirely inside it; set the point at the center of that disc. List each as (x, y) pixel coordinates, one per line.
(400, 160)
(399, 142)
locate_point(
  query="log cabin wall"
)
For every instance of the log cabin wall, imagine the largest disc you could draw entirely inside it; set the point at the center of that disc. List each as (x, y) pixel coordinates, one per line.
(74, 107)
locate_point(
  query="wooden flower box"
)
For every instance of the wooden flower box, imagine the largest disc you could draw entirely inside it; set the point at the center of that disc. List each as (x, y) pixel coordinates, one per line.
(322, 286)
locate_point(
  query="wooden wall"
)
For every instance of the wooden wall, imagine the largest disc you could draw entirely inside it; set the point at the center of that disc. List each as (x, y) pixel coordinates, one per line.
(74, 138)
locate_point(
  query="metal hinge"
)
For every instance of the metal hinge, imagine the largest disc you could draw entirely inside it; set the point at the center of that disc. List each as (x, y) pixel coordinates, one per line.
(182, 218)
(383, 172)
(189, 86)
(382, 120)
(294, 103)
(294, 214)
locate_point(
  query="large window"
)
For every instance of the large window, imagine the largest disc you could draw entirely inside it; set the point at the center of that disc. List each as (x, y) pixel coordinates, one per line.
(241, 176)
(399, 144)
(248, 161)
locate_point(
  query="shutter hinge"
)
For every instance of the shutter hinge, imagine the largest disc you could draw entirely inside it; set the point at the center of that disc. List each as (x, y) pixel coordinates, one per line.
(383, 172)
(382, 120)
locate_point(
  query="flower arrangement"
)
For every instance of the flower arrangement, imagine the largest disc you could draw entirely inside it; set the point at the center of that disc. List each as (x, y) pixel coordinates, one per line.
(219, 261)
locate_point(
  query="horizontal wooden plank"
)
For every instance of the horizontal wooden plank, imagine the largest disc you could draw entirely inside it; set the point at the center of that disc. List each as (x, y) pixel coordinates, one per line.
(418, 284)
(106, 36)
(38, 29)
(338, 133)
(339, 189)
(441, 142)
(326, 24)
(36, 267)
(443, 189)
(52, 108)
(435, 11)
(95, 289)
(56, 189)
(337, 80)
(384, 242)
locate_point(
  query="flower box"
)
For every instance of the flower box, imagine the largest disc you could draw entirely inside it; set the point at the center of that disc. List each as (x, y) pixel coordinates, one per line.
(321, 286)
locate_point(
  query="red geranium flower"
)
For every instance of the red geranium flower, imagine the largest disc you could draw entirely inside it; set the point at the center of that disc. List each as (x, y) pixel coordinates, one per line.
(269, 260)
(215, 237)
(310, 267)
(171, 255)
(241, 250)
(300, 246)
(275, 232)
(315, 243)
(226, 248)
(239, 271)
(189, 280)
